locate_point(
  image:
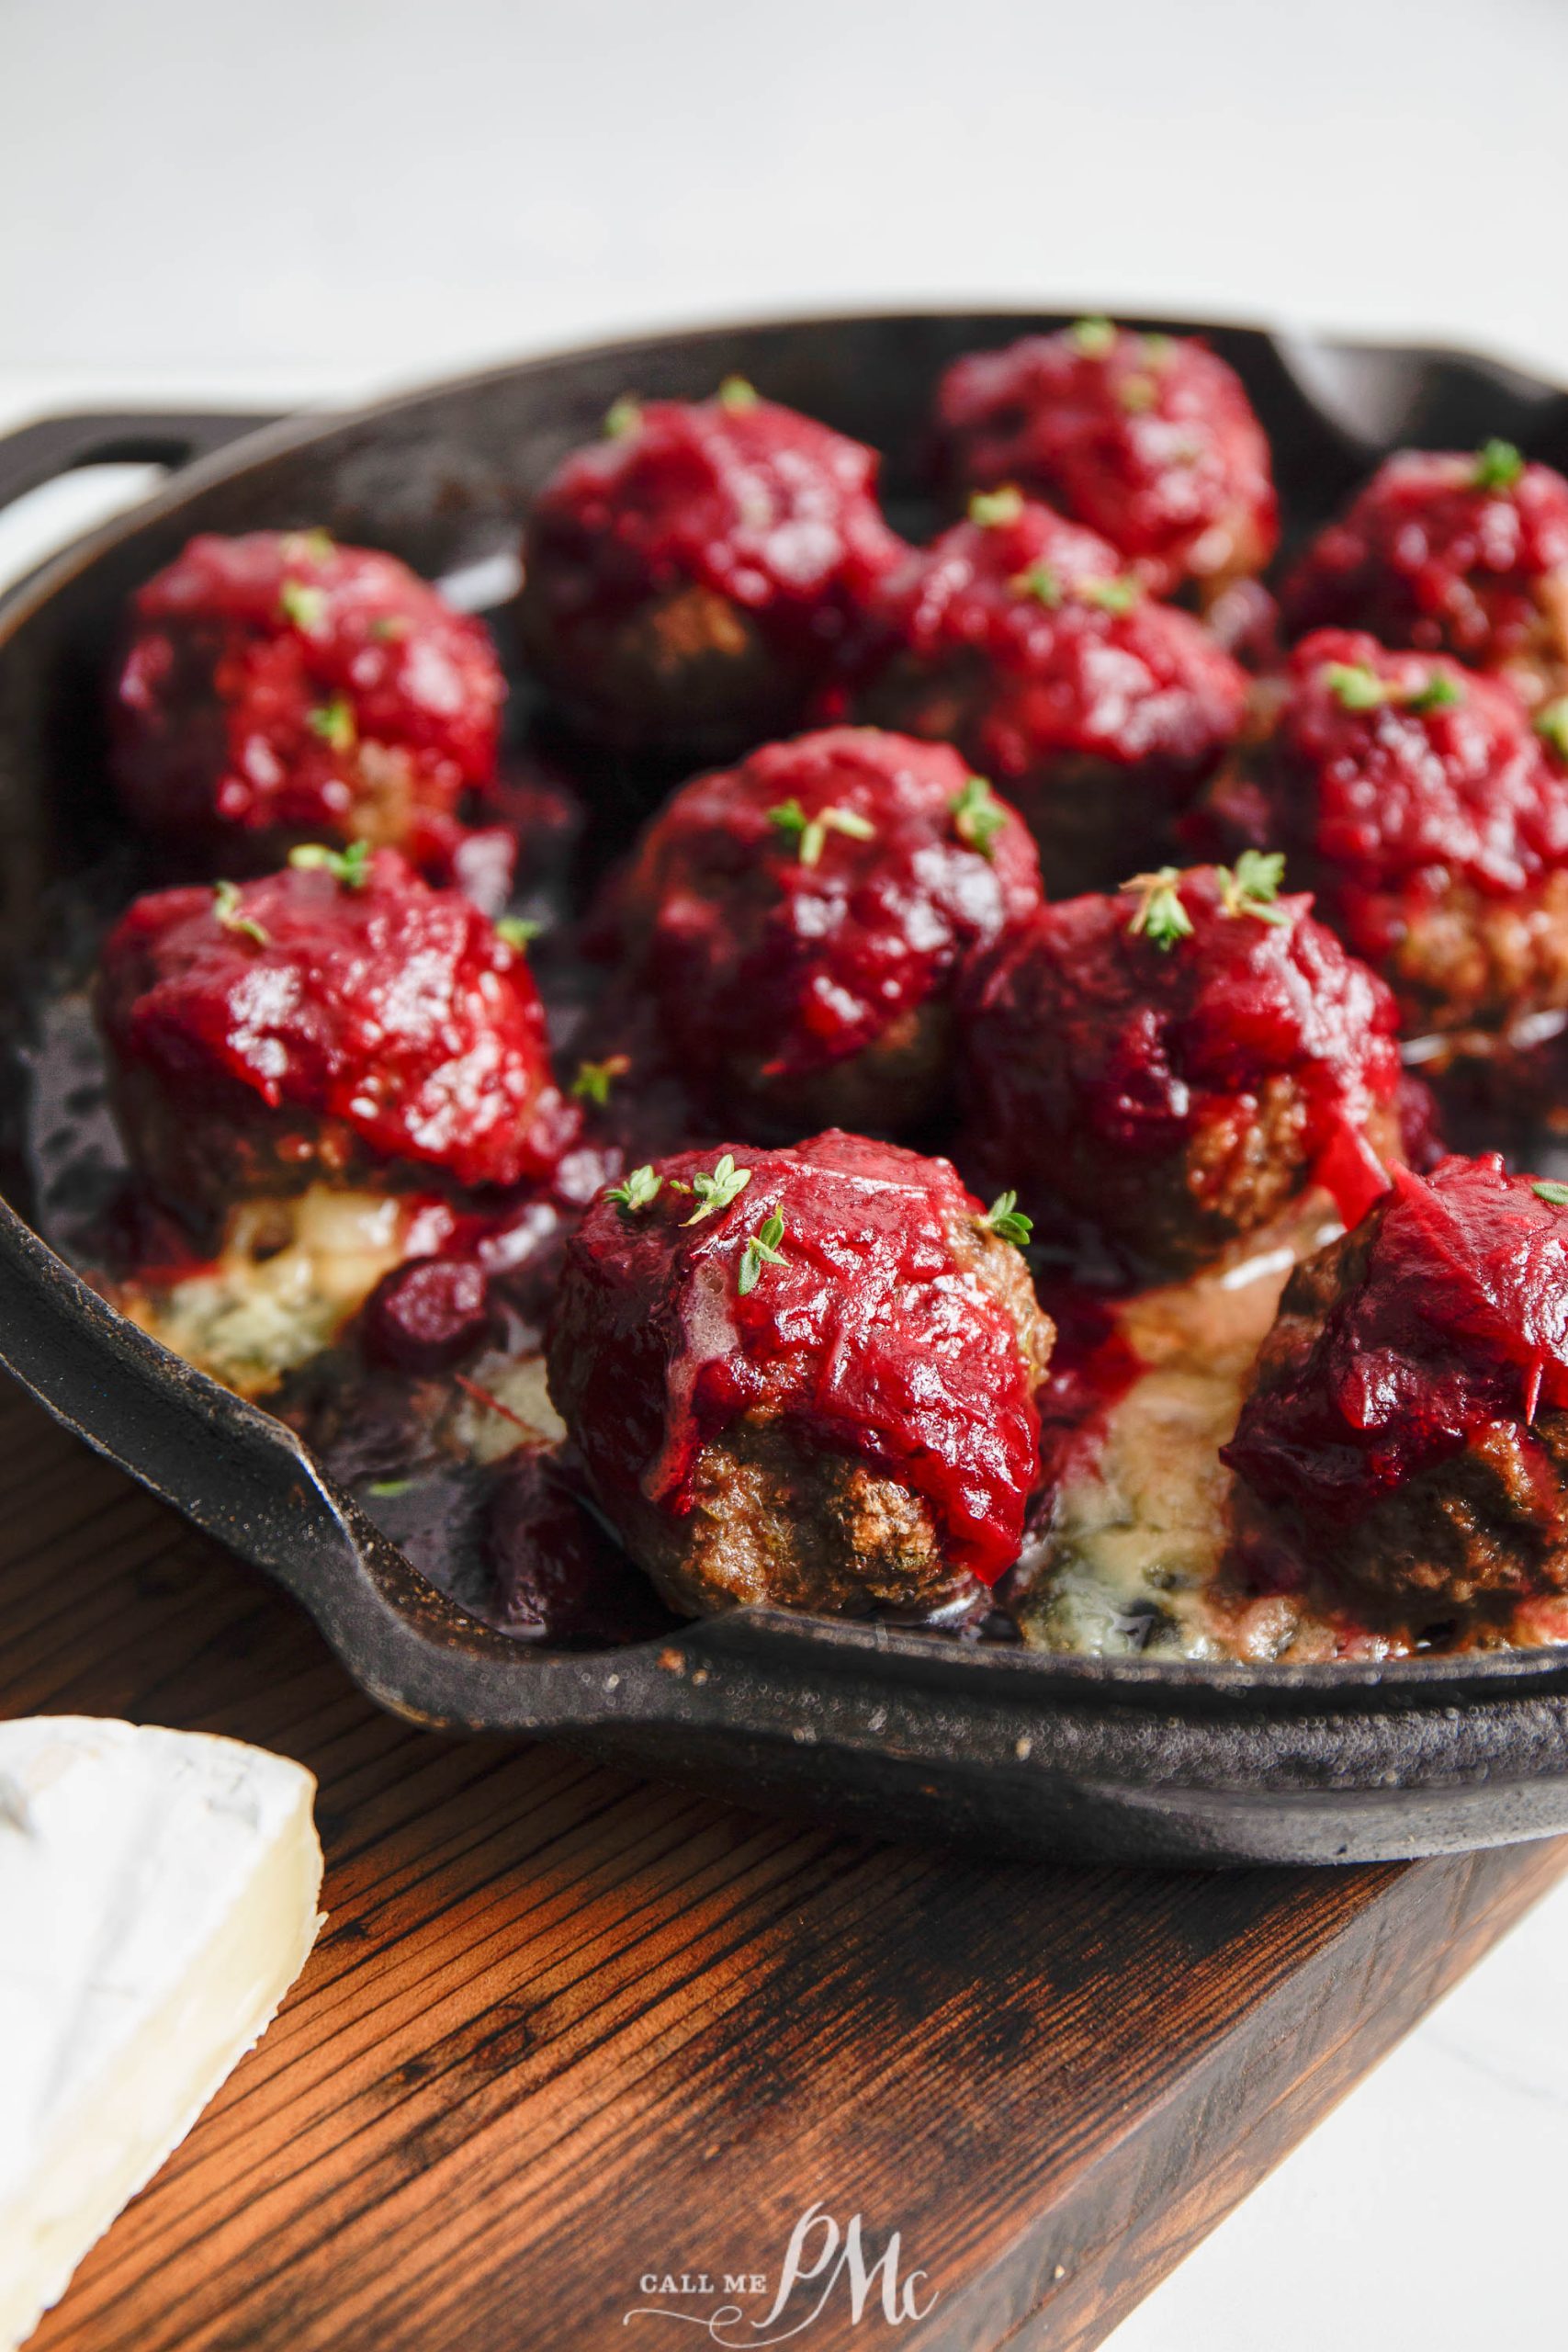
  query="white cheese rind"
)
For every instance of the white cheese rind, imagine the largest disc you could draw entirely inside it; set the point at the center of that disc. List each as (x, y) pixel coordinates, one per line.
(158, 1896)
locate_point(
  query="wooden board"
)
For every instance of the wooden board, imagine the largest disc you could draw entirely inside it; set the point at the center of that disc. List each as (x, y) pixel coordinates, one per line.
(567, 2034)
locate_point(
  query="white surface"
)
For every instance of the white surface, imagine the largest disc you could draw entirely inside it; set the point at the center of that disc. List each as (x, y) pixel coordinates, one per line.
(204, 202)
(157, 1898)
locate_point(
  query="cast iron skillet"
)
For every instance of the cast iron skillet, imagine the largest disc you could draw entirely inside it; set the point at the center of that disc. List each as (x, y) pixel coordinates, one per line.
(900, 1733)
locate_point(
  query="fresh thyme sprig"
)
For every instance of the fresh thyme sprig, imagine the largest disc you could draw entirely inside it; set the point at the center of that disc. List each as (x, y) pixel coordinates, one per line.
(978, 816)
(333, 722)
(1498, 465)
(349, 866)
(993, 508)
(715, 1192)
(762, 1250)
(810, 833)
(517, 931)
(1251, 887)
(595, 1079)
(1008, 1221)
(638, 1191)
(228, 910)
(1159, 916)
(303, 604)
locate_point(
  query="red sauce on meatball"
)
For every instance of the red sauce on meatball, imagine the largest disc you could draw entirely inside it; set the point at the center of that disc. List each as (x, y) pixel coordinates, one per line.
(771, 512)
(391, 1008)
(1451, 552)
(1398, 776)
(869, 1333)
(1019, 637)
(1173, 1064)
(1458, 1320)
(1148, 439)
(280, 684)
(795, 910)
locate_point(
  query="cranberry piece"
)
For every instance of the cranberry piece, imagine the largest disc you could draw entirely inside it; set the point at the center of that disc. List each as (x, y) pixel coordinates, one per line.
(428, 1315)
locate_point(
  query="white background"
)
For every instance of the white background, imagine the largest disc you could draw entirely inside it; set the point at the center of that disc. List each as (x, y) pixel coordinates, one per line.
(306, 200)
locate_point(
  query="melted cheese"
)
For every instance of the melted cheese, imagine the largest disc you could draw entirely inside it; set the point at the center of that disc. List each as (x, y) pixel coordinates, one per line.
(286, 1279)
(1141, 1523)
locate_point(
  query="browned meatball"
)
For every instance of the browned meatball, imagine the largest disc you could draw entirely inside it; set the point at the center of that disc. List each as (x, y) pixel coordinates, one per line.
(694, 579)
(818, 1392)
(1407, 1425)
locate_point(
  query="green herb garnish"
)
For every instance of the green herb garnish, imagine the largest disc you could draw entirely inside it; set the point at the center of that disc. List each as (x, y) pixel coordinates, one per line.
(1354, 686)
(388, 625)
(1252, 885)
(1111, 595)
(595, 1079)
(1159, 916)
(762, 1249)
(622, 417)
(736, 394)
(1137, 393)
(1041, 582)
(990, 507)
(1551, 723)
(979, 816)
(308, 547)
(640, 1190)
(1498, 465)
(1555, 1196)
(333, 722)
(715, 1192)
(1008, 1221)
(228, 910)
(810, 833)
(386, 1487)
(1439, 693)
(1095, 338)
(349, 866)
(303, 606)
(1158, 350)
(517, 931)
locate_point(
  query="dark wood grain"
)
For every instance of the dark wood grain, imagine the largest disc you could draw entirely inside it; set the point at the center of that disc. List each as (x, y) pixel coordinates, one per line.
(564, 2030)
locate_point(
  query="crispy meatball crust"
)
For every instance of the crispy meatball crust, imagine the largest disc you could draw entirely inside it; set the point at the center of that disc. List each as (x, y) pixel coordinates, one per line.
(690, 582)
(1169, 1098)
(856, 1430)
(309, 1028)
(1452, 553)
(1429, 818)
(1405, 1426)
(1150, 440)
(793, 931)
(278, 688)
(1022, 639)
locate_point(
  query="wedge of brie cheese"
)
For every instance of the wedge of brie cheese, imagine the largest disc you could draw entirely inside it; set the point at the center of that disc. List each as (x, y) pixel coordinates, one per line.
(158, 1896)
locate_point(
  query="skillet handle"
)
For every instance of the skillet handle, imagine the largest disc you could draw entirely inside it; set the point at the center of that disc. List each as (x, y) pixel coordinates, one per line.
(37, 453)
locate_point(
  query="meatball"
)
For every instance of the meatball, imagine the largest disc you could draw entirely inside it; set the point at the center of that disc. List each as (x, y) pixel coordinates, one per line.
(1149, 439)
(339, 1022)
(1407, 1424)
(809, 1379)
(794, 928)
(1162, 1071)
(1017, 637)
(277, 687)
(1431, 821)
(693, 580)
(1450, 554)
